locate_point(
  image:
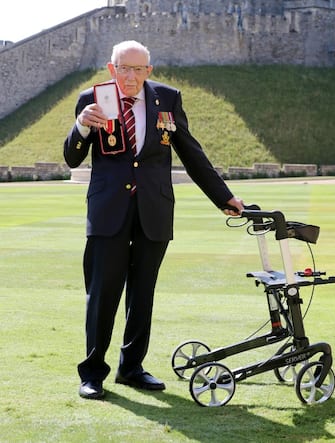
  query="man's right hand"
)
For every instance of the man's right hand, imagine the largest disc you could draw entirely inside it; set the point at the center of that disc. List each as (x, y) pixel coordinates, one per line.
(92, 116)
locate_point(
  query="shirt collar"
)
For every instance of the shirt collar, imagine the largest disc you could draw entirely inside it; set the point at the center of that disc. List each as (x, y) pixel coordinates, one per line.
(139, 96)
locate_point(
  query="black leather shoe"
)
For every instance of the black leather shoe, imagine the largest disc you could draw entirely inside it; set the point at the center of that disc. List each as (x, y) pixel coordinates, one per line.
(91, 390)
(141, 380)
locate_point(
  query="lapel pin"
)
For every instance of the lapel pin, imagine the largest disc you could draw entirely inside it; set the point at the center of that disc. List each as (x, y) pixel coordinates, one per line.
(157, 101)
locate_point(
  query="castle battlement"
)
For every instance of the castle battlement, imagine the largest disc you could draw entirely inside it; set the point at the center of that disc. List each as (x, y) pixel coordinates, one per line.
(181, 33)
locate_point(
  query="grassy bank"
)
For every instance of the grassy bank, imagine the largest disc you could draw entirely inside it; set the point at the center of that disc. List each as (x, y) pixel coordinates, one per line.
(240, 114)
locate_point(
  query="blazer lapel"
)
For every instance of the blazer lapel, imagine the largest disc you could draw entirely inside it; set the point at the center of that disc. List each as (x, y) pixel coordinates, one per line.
(152, 105)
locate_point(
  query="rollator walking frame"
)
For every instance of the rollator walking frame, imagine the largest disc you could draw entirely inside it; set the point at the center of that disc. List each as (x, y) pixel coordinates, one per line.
(212, 383)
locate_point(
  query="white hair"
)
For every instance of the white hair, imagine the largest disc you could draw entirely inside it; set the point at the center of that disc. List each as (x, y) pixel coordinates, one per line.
(119, 48)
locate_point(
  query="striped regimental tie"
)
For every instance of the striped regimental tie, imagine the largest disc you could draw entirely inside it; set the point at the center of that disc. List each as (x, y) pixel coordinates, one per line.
(129, 120)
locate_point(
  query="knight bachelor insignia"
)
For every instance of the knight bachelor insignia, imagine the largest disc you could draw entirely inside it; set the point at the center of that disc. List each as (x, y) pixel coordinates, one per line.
(112, 140)
(110, 128)
(111, 135)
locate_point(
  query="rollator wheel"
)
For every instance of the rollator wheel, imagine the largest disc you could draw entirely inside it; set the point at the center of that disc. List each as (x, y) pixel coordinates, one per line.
(184, 353)
(212, 384)
(288, 374)
(306, 388)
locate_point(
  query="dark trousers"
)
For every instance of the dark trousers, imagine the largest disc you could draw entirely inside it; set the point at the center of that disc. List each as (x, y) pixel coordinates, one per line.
(110, 263)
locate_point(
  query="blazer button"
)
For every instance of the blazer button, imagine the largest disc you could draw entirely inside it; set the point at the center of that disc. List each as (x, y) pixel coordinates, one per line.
(128, 186)
(135, 164)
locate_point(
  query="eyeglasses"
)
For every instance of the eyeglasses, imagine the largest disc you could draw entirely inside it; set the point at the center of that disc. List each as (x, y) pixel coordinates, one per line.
(125, 69)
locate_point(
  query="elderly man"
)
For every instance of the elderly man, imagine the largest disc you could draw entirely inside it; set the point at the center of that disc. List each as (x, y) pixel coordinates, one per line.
(130, 208)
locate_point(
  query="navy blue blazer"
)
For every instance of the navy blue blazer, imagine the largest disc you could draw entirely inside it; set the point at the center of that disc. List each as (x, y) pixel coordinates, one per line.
(109, 189)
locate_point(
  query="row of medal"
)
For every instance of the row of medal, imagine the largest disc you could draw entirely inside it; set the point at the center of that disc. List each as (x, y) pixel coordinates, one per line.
(165, 122)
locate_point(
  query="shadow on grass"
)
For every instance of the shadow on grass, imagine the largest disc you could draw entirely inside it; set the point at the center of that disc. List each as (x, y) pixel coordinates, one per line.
(34, 109)
(231, 423)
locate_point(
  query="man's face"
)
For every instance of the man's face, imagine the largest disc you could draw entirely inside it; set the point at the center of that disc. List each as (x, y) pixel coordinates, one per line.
(130, 71)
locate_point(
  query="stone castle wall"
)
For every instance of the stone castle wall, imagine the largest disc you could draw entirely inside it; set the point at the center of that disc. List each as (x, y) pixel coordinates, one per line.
(192, 32)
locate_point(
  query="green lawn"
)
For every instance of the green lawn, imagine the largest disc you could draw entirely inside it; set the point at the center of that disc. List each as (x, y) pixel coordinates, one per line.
(202, 293)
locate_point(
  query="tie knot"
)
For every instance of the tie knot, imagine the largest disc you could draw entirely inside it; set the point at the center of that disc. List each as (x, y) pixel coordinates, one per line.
(128, 102)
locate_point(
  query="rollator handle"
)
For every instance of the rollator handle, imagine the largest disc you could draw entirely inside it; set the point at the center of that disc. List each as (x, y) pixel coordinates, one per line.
(252, 207)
